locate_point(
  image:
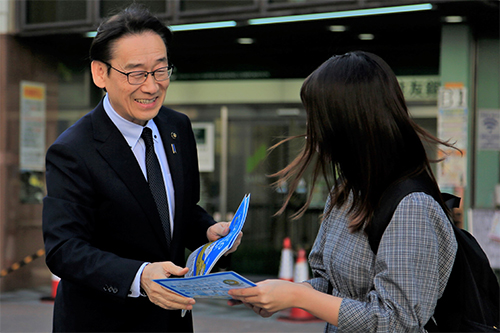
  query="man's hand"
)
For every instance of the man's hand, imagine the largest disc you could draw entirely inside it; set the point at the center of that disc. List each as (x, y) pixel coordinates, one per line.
(220, 230)
(159, 295)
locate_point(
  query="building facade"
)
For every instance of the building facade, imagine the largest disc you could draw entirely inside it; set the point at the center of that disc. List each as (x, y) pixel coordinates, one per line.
(239, 68)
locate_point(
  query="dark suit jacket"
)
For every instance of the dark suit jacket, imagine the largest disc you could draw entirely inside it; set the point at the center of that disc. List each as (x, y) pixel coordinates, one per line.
(100, 223)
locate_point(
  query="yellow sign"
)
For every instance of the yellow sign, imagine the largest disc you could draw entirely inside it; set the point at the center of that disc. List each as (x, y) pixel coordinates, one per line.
(34, 92)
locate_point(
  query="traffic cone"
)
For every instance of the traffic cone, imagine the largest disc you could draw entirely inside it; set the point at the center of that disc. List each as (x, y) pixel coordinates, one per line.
(55, 283)
(286, 263)
(301, 274)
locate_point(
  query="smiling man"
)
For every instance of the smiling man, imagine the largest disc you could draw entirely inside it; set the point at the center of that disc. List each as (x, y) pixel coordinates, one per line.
(122, 191)
(132, 94)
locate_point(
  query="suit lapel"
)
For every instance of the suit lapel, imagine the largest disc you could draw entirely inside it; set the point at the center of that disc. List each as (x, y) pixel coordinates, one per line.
(114, 149)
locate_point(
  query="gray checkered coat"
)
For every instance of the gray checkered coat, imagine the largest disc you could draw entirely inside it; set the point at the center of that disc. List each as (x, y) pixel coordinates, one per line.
(397, 290)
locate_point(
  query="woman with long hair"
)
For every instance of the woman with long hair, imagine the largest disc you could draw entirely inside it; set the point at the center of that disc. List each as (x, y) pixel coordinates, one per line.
(361, 139)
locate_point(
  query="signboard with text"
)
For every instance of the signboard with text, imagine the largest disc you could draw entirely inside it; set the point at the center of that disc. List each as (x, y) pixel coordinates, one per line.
(453, 127)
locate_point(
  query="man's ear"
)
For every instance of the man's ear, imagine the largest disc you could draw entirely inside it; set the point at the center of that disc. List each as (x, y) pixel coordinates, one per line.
(99, 73)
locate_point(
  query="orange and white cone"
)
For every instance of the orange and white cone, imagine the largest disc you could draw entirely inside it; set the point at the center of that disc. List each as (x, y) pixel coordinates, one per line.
(301, 272)
(301, 275)
(55, 283)
(286, 262)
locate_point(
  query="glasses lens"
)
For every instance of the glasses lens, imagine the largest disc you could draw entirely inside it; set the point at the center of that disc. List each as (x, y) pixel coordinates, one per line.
(136, 77)
(139, 77)
(162, 74)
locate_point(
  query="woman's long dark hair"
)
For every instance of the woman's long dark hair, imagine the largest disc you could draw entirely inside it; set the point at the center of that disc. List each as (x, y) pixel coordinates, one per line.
(360, 136)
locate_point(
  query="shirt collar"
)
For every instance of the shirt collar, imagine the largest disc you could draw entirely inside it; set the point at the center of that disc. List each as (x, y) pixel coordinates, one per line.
(130, 131)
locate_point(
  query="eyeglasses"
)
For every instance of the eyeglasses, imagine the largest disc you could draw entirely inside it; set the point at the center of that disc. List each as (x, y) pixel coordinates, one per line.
(139, 77)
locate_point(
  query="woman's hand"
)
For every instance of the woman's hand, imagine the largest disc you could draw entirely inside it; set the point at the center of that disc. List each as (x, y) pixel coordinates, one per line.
(269, 296)
(256, 309)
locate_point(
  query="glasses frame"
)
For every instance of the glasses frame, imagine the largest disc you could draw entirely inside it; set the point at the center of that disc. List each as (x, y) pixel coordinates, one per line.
(170, 69)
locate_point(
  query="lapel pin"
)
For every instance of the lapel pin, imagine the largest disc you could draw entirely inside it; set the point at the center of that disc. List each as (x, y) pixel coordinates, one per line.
(173, 135)
(173, 149)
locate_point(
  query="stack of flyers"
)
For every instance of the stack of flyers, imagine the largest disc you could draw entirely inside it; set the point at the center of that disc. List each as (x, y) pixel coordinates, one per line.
(203, 259)
(196, 283)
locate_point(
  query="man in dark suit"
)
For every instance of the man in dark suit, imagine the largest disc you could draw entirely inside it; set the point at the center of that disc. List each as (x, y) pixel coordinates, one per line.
(106, 233)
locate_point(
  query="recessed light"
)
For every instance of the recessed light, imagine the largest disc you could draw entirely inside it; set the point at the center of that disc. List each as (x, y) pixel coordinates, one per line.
(245, 40)
(453, 19)
(366, 36)
(337, 28)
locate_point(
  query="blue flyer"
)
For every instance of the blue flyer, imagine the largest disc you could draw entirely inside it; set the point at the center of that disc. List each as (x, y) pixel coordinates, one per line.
(214, 285)
(203, 259)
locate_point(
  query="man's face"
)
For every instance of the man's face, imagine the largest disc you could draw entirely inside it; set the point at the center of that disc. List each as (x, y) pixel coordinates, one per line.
(142, 52)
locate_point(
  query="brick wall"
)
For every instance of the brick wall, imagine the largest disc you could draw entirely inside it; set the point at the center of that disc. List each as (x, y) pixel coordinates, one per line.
(21, 223)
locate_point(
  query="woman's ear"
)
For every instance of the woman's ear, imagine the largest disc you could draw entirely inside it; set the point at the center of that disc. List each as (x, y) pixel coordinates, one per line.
(99, 73)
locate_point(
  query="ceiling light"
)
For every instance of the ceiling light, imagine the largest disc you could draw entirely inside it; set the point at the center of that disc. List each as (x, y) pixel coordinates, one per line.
(200, 26)
(337, 28)
(245, 40)
(366, 36)
(91, 34)
(453, 19)
(346, 13)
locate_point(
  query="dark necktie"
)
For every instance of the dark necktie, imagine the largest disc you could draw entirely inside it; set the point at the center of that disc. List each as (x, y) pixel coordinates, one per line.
(156, 182)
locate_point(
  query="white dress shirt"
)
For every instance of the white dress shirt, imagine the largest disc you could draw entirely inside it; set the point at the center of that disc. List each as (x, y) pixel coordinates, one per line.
(132, 134)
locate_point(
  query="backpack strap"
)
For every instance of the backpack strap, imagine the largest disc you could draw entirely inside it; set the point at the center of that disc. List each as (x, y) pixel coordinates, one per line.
(470, 302)
(390, 200)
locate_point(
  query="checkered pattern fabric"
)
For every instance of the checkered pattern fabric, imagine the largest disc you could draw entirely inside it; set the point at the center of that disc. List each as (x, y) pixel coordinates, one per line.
(396, 290)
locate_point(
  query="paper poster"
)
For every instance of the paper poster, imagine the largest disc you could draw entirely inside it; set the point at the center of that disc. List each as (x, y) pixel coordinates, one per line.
(495, 227)
(453, 127)
(484, 224)
(451, 171)
(32, 141)
(32, 127)
(204, 136)
(488, 130)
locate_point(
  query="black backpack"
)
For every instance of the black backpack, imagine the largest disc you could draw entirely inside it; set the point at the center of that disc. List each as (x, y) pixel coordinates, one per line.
(470, 302)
